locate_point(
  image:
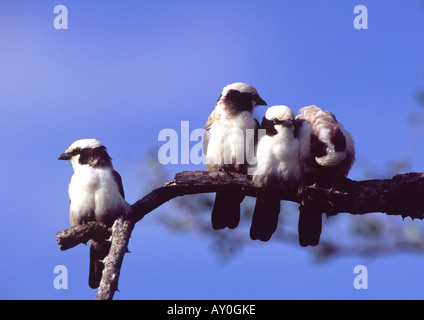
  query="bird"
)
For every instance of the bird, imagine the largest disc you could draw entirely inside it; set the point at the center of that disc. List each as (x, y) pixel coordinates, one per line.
(277, 165)
(227, 147)
(95, 193)
(327, 153)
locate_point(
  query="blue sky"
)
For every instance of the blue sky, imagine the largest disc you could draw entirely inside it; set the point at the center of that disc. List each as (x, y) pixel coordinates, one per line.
(125, 70)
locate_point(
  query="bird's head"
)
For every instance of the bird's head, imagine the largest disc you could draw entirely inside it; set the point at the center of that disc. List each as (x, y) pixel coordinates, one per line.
(278, 118)
(241, 97)
(87, 152)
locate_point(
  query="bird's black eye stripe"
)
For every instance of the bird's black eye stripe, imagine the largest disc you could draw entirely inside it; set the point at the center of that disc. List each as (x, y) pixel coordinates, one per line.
(285, 123)
(76, 151)
(277, 121)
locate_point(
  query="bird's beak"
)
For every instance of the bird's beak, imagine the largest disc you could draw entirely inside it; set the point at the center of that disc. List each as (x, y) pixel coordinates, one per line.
(261, 102)
(64, 156)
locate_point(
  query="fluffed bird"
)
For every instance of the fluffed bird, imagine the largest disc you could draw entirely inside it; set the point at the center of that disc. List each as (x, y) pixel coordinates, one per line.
(327, 153)
(95, 194)
(278, 164)
(227, 146)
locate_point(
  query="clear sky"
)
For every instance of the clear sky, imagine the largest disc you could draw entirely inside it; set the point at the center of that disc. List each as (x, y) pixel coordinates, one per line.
(125, 70)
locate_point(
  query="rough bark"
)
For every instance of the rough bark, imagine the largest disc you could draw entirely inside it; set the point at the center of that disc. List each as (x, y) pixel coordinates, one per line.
(121, 233)
(73, 236)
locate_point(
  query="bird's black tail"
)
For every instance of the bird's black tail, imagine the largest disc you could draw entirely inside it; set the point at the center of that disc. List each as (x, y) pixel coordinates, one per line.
(98, 251)
(226, 210)
(265, 219)
(310, 225)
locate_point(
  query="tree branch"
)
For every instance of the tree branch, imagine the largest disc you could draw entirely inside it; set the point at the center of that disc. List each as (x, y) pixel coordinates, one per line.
(402, 195)
(194, 182)
(121, 233)
(73, 236)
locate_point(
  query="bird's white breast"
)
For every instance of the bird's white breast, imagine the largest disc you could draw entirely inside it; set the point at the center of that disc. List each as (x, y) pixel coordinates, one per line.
(93, 192)
(229, 139)
(278, 159)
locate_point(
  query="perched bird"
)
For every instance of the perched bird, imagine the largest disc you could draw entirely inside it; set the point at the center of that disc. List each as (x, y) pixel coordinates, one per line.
(278, 164)
(327, 153)
(227, 147)
(95, 194)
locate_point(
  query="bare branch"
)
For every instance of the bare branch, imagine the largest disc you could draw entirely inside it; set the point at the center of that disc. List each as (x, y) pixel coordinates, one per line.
(402, 195)
(194, 182)
(121, 232)
(73, 236)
